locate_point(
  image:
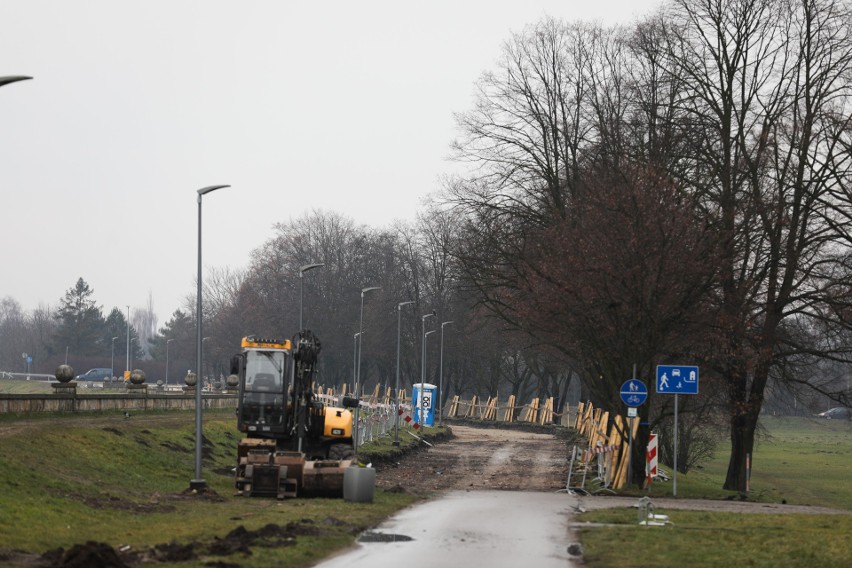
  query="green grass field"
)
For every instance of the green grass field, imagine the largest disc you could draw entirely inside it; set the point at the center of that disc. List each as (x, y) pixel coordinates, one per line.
(8, 386)
(797, 461)
(800, 461)
(68, 480)
(719, 539)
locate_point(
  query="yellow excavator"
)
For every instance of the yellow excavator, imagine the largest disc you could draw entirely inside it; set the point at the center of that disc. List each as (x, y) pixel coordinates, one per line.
(295, 444)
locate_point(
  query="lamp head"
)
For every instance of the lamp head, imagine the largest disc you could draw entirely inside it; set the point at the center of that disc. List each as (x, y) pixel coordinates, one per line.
(13, 79)
(306, 267)
(369, 289)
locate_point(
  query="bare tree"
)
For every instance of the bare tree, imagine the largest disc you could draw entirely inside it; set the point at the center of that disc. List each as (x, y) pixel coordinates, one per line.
(13, 335)
(531, 124)
(770, 87)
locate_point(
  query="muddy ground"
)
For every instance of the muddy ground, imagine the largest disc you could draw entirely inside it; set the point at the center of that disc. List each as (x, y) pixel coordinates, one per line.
(481, 458)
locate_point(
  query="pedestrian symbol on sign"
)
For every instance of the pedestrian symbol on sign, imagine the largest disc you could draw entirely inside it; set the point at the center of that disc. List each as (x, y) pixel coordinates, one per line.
(677, 379)
(634, 393)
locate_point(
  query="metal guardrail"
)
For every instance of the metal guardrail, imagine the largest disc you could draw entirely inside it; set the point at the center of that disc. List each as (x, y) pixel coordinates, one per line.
(374, 421)
(26, 376)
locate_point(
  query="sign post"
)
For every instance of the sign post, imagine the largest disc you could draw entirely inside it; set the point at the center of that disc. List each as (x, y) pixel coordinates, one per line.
(633, 393)
(676, 379)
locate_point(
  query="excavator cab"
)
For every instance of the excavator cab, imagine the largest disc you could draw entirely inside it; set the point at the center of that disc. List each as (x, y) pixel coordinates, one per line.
(262, 409)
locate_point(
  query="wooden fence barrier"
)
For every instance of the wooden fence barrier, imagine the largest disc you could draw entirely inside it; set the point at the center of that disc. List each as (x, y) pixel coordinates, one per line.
(606, 440)
(537, 411)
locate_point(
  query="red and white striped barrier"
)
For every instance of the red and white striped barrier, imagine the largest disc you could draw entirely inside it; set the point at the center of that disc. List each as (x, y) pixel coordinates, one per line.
(651, 457)
(408, 419)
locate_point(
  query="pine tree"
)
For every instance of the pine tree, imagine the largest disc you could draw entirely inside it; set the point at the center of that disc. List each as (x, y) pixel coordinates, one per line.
(80, 322)
(116, 326)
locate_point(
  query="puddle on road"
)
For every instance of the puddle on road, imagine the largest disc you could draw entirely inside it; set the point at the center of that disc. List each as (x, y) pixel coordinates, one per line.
(370, 536)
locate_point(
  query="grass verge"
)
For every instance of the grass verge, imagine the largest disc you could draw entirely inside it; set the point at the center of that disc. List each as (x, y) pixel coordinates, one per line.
(718, 539)
(798, 461)
(124, 482)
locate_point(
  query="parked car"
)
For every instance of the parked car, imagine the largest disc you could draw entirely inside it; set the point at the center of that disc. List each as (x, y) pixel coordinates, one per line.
(96, 374)
(838, 413)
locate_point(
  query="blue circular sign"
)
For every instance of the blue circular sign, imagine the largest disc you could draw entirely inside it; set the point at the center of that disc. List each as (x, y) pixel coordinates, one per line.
(634, 393)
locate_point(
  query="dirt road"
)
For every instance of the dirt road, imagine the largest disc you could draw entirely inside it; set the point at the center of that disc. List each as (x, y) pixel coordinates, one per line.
(510, 459)
(482, 458)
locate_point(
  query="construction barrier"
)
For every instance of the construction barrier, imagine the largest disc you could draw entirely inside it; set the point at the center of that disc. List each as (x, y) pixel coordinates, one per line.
(651, 459)
(605, 452)
(591, 422)
(538, 411)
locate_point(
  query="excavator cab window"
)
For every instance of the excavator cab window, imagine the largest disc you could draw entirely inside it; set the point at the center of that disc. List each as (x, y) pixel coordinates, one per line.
(262, 405)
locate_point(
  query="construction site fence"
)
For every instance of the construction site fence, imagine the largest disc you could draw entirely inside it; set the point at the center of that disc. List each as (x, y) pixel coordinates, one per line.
(599, 461)
(537, 411)
(381, 408)
(372, 419)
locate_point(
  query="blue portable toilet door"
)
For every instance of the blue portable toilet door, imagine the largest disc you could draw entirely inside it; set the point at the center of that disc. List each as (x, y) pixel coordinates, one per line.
(425, 402)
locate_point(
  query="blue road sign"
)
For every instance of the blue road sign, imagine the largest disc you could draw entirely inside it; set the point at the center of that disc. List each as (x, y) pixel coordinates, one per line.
(677, 379)
(634, 393)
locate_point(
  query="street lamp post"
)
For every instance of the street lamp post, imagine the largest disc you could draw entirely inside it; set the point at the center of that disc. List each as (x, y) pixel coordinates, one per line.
(356, 340)
(112, 358)
(422, 381)
(5, 81)
(127, 355)
(441, 378)
(302, 270)
(423, 348)
(66, 354)
(398, 325)
(167, 359)
(355, 357)
(358, 366)
(198, 483)
(360, 339)
(202, 376)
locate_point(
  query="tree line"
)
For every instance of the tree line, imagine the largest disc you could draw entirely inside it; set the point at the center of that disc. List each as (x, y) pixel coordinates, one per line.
(77, 332)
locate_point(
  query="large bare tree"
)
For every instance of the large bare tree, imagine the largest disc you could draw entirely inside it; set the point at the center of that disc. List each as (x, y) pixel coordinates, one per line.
(739, 113)
(770, 88)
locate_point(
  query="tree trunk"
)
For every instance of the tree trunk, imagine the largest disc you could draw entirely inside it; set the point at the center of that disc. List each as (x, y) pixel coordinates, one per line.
(746, 414)
(639, 457)
(743, 427)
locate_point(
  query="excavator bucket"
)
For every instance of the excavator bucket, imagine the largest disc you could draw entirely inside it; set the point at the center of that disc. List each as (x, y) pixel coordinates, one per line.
(324, 477)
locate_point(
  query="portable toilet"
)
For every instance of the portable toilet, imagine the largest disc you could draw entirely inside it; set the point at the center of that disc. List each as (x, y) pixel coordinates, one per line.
(424, 396)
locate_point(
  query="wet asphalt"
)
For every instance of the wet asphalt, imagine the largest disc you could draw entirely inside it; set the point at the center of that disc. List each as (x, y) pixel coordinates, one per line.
(471, 528)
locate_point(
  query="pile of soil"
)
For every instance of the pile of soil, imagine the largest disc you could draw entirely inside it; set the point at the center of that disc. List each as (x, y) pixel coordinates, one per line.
(239, 541)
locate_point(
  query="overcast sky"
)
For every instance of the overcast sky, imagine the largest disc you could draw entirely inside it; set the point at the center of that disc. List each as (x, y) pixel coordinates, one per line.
(336, 105)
